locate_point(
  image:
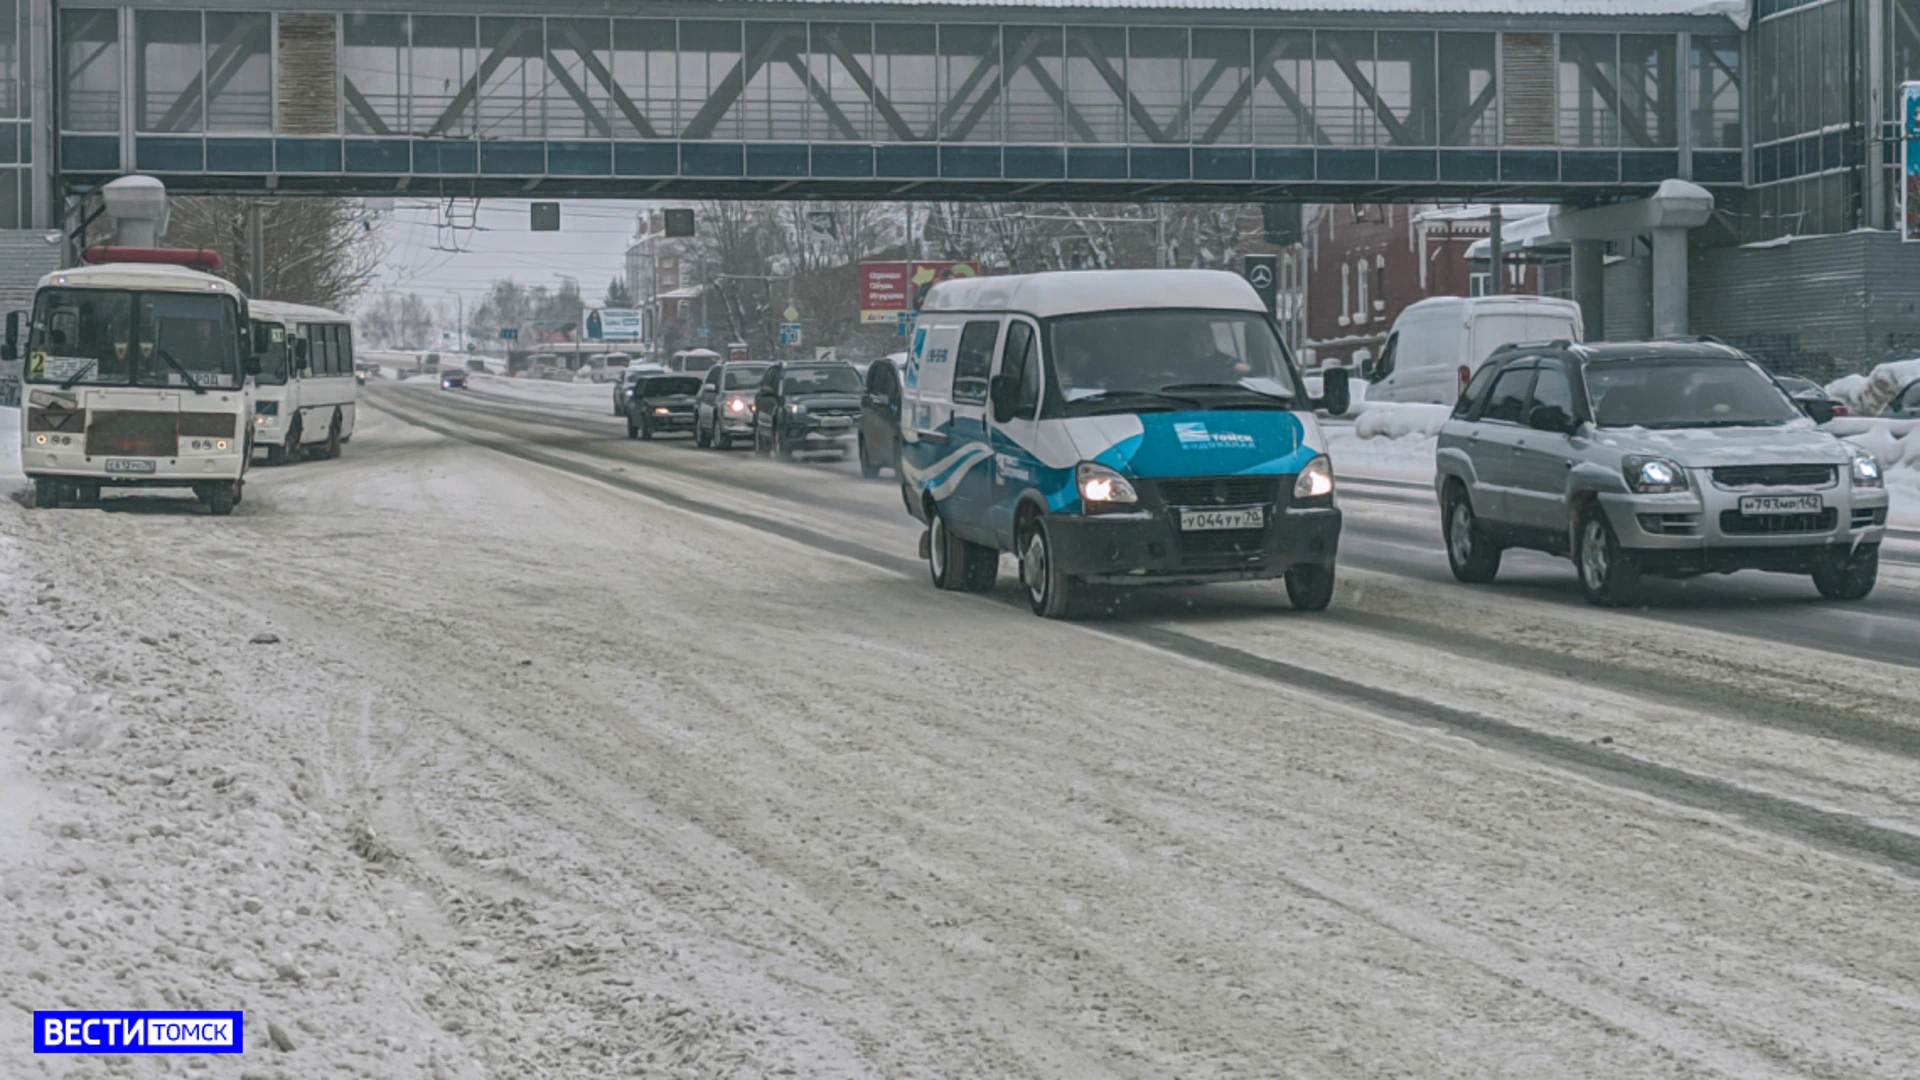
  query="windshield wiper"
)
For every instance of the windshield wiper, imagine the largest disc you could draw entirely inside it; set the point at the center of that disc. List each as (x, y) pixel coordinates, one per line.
(74, 379)
(1100, 397)
(184, 373)
(1285, 400)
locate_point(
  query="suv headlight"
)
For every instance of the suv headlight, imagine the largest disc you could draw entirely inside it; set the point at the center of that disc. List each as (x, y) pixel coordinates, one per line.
(1654, 475)
(1315, 481)
(1102, 488)
(796, 409)
(738, 405)
(1866, 471)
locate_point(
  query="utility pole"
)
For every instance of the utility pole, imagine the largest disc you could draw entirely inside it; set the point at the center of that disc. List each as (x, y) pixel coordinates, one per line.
(256, 252)
(1496, 257)
(1160, 236)
(460, 326)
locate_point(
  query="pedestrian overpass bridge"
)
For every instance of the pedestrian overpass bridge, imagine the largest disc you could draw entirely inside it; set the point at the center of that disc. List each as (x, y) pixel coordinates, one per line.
(1229, 100)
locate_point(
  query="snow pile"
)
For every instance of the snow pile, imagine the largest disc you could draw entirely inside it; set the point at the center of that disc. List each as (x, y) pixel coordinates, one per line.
(38, 698)
(597, 397)
(1869, 395)
(1388, 421)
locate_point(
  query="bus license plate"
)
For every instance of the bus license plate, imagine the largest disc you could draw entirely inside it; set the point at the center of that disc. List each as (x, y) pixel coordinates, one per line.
(1768, 505)
(1251, 517)
(129, 465)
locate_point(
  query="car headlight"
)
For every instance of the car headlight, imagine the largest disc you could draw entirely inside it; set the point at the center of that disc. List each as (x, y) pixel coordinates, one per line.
(737, 405)
(1866, 471)
(1315, 481)
(1654, 475)
(1101, 487)
(661, 410)
(796, 410)
(629, 393)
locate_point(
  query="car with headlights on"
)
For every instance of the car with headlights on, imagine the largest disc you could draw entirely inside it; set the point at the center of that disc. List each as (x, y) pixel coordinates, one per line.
(1653, 458)
(806, 408)
(662, 403)
(723, 411)
(453, 379)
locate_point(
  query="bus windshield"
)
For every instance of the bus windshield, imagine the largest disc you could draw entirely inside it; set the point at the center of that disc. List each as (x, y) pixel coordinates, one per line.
(273, 362)
(116, 337)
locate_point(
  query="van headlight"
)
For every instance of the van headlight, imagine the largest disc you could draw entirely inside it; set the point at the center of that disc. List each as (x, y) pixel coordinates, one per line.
(1654, 475)
(1315, 482)
(1102, 488)
(737, 405)
(1866, 472)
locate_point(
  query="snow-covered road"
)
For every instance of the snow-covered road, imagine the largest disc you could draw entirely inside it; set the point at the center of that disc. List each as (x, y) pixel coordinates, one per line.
(578, 757)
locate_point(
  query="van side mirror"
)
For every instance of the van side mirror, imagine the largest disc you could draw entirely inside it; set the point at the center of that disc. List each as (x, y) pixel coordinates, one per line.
(1336, 391)
(1004, 393)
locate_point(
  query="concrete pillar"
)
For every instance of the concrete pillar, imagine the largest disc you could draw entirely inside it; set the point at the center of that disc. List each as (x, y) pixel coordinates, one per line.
(1496, 253)
(1589, 286)
(1669, 282)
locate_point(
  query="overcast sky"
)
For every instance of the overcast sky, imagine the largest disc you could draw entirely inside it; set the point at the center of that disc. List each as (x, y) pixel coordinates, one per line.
(434, 250)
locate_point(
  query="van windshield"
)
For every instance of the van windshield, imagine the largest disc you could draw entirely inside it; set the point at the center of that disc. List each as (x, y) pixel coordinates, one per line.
(113, 337)
(1134, 361)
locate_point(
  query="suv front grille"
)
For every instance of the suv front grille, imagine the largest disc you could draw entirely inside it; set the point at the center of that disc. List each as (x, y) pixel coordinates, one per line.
(1739, 476)
(1219, 491)
(1734, 523)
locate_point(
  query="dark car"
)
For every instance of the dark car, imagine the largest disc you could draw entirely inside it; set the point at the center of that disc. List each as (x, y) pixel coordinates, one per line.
(880, 419)
(1906, 404)
(724, 411)
(453, 379)
(661, 403)
(1805, 390)
(623, 386)
(807, 408)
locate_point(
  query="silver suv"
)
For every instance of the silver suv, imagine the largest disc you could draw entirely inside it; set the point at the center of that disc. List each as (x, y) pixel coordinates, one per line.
(1668, 458)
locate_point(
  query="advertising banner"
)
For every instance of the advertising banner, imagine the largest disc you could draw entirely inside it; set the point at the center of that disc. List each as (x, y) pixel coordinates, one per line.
(889, 288)
(614, 324)
(1910, 161)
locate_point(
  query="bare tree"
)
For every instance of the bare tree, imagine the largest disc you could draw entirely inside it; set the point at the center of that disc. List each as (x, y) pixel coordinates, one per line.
(318, 251)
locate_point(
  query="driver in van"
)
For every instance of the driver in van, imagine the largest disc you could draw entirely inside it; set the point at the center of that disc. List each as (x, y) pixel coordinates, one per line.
(1205, 359)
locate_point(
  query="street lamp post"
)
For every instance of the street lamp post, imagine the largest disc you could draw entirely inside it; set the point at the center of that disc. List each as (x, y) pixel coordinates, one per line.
(580, 325)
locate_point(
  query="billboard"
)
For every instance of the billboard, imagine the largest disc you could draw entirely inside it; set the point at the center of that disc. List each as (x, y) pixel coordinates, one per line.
(615, 324)
(889, 288)
(1910, 161)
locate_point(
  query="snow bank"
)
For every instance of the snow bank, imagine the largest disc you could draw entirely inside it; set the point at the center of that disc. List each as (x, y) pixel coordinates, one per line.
(1385, 421)
(595, 396)
(1868, 395)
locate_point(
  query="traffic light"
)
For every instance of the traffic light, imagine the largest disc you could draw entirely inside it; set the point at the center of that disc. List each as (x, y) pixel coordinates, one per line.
(546, 217)
(1281, 222)
(679, 223)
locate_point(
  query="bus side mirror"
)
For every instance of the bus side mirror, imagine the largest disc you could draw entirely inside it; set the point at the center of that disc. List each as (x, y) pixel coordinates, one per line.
(13, 329)
(1336, 391)
(253, 366)
(262, 339)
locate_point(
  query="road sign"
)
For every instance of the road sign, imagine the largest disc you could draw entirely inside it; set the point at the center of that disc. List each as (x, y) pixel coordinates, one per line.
(509, 333)
(825, 355)
(545, 217)
(792, 314)
(790, 333)
(1263, 272)
(705, 332)
(679, 223)
(904, 324)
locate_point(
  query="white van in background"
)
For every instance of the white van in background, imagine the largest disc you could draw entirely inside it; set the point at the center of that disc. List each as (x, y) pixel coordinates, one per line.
(1436, 345)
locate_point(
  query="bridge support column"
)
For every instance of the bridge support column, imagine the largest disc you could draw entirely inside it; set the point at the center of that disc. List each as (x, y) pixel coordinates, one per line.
(1589, 286)
(1669, 282)
(1666, 215)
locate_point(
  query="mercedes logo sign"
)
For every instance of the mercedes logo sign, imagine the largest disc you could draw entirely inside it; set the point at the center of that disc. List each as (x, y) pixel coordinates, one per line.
(1261, 275)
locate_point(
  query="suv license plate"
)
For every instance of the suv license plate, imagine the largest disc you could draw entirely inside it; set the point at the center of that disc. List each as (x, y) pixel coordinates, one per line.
(1251, 517)
(836, 421)
(129, 465)
(1767, 505)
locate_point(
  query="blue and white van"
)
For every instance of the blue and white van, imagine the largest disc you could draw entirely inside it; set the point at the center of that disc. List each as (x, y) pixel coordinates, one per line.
(1121, 427)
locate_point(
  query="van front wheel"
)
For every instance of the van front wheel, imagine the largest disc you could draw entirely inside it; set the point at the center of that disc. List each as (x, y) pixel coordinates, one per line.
(1310, 586)
(1051, 592)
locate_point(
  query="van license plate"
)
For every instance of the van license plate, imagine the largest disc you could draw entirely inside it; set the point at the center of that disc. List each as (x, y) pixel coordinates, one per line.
(1767, 505)
(1251, 517)
(129, 465)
